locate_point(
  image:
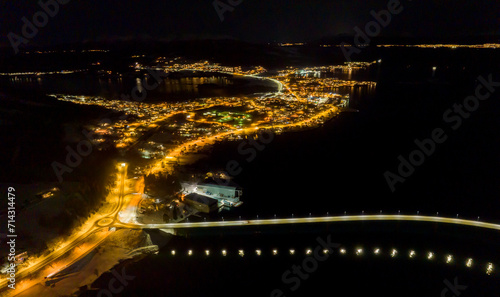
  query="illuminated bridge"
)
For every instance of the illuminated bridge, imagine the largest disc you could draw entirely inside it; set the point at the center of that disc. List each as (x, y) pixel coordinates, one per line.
(308, 220)
(357, 251)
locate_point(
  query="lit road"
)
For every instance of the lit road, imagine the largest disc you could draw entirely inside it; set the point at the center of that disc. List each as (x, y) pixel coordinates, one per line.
(98, 228)
(208, 140)
(309, 220)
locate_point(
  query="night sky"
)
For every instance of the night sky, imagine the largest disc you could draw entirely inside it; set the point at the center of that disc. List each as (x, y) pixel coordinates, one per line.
(252, 20)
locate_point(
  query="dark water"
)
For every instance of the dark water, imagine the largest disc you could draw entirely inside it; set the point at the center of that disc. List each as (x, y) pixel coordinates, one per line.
(340, 166)
(337, 275)
(177, 87)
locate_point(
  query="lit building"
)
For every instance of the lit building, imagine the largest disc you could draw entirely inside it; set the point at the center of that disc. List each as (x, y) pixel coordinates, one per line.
(226, 192)
(201, 203)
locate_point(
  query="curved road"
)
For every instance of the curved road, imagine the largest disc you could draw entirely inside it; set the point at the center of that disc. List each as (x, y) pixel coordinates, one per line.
(239, 223)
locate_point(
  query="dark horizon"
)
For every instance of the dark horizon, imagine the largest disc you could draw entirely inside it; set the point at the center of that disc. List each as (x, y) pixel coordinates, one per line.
(253, 22)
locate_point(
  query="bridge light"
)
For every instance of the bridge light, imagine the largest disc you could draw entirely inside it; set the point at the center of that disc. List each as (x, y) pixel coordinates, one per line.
(469, 262)
(173, 252)
(412, 254)
(292, 252)
(207, 252)
(224, 253)
(376, 251)
(343, 251)
(489, 268)
(394, 252)
(308, 251)
(359, 252)
(258, 252)
(190, 252)
(325, 251)
(241, 253)
(449, 259)
(430, 255)
(275, 252)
